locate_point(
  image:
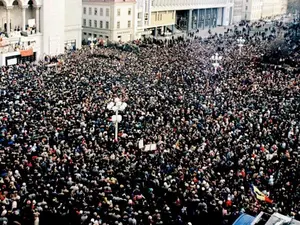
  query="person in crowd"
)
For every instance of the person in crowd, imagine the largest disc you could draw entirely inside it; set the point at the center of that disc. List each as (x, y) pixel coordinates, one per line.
(216, 135)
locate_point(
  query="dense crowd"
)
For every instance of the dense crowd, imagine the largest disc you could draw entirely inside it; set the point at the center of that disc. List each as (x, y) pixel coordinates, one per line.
(216, 134)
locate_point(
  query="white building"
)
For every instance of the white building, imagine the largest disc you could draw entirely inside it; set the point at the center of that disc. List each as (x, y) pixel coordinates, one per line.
(131, 19)
(237, 11)
(262, 9)
(109, 19)
(32, 28)
(165, 16)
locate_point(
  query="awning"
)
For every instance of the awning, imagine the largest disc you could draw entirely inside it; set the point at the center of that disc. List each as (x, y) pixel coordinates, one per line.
(25, 53)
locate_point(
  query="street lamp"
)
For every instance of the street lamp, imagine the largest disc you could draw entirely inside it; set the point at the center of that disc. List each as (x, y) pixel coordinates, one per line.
(116, 106)
(216, 57)
(241, 43)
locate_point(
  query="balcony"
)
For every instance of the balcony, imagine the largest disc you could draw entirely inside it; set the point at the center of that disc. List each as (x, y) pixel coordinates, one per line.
(16, 42)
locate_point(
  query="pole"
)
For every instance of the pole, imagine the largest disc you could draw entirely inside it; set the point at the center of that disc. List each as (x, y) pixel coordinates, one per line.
(116, 127)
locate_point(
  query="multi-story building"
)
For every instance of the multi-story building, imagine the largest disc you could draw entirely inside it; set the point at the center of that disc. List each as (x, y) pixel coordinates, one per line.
(30, 29)
(237, 11)
(164, 16)
(131, 19)
(252, 10)
(109, 19)
(260, 9)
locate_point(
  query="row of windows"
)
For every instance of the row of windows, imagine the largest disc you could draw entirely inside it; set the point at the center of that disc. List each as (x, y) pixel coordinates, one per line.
(128, 12)
(159, 16)
(106, 12)
(128, 24)
(96, 11)
(101, 24)
(94, 35)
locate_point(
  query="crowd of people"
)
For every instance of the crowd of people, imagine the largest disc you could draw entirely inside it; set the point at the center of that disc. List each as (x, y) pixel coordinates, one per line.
(215, 134)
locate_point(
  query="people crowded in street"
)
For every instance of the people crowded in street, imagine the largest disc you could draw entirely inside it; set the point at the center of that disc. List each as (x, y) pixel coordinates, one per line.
(216, 134)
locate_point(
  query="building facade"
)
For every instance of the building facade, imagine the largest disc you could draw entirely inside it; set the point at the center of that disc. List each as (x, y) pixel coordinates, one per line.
(262, 9)
(161, 17)
(109, 19)
(132, 19)
(237, 11)
(31, 29)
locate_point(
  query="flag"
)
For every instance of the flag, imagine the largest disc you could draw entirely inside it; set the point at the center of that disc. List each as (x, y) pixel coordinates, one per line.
(259, 195)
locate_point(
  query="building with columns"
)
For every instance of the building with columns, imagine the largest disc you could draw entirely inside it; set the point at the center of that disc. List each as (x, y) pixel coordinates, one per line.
(30, 29)
(132, 19)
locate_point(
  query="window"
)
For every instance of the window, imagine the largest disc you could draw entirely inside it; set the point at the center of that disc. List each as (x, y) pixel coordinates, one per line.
(84, 33)
(101, 24)
(118, 24)
(129, 12)
(84, 22)
(84, 10)
(119, 12)
(95, 11)
(107, 12)
(95, 23)
(129, 24)
(107, 25)
(160, 17)
(101, 11)
(139, 15)
(90, 34)
(90, 11)
(95, 35)
(246, 7)
(90, 23)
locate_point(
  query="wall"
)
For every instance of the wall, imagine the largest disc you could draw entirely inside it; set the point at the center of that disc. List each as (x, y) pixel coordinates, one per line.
(124, 32)
(113, 32)
(237, 11)
(254, 10)
(162, 18)
(104, 17)
(268, 8)
(161, 5)
(2, 17)
(53, 26)
(73, 21)
(16, 18)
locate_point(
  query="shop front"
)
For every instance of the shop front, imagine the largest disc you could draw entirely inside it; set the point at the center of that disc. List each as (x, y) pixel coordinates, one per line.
(16, 57)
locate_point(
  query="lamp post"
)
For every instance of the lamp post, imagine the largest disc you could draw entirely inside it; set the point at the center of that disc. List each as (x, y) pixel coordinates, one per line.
(116, 106)
(241, 43)
(216, 58)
